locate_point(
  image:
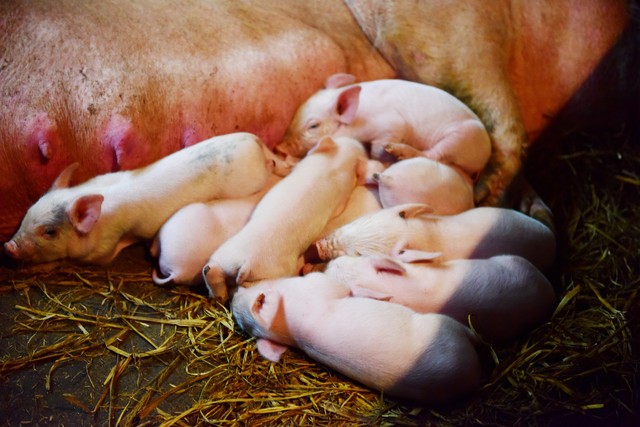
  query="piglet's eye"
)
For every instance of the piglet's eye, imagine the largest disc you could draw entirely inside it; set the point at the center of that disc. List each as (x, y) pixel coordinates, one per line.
(49, 232)
(313, 125)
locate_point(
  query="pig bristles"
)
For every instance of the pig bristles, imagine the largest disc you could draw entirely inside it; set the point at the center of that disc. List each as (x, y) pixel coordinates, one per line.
(124, 352)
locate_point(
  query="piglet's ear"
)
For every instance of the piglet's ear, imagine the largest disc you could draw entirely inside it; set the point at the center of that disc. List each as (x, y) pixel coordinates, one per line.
(416, 256)
(63, 180)
(339, 80)
(325, 145)
(266, 307)
(347, 104)
(358, 291)
(415, 210)
(85, 211)
(270, 350)
(387, 265)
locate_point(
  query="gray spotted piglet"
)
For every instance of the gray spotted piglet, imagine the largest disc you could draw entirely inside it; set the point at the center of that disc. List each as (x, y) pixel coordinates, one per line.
(93, 221)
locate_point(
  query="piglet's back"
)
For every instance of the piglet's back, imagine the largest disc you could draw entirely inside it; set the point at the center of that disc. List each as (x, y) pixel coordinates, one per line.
(428, 358)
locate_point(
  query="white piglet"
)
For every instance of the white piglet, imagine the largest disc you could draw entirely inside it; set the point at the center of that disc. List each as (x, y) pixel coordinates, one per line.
(404, 118)
(363, 201)
(503, 296)
(477, 233)
(289, 218)
(422, 180)
(429, 358)
(187, 240)
(93, 221)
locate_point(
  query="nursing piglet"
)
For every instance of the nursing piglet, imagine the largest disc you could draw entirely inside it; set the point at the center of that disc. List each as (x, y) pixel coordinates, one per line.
(422, 180)
(429, 358)
(477, 233)
(503, 296)
(92, 222)
(289, 218)
(363, 200)
(187, 240)
(411, 118)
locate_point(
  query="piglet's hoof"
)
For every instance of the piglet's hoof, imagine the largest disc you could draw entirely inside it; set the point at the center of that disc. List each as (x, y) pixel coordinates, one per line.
(490, 191)
(402, 151)
(532, 205)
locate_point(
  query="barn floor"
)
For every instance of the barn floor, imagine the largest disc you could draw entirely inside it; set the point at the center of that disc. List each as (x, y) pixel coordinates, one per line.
(88, 346)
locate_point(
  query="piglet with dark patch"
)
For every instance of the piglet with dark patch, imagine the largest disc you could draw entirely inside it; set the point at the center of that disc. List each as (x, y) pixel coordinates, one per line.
(92, 222)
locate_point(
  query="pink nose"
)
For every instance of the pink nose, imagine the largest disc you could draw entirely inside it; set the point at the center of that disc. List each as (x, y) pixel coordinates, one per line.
(11, 248)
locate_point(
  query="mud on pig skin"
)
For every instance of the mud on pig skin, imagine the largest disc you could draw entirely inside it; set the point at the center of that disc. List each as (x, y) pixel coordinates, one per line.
(289, 218)
(186, 241)
(119, 84)
(477, 233)
(504, 295)
(429, 358)
(93, 221)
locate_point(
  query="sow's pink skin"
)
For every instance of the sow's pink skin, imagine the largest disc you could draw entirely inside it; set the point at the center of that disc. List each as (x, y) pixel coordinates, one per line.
(92, 222)
(477, 233)
(213, 68)
(502, 296)
(422, 180)
(392, 113)
(429, 358)
(290, 217)
(220, 67)
(186, 241)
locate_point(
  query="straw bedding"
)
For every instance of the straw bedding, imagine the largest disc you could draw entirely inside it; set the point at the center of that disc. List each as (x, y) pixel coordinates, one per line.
(96, 346)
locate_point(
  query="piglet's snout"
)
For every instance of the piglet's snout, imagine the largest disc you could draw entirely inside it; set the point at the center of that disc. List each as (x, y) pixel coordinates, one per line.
(11, 248)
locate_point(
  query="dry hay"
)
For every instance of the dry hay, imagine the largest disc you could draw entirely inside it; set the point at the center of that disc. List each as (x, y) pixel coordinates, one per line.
(91, 346)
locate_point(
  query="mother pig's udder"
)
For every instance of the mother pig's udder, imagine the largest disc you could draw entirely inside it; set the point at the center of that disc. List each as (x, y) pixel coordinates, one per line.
(119, 88)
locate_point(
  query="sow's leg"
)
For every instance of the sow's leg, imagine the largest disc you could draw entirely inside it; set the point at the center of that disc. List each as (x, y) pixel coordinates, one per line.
(119, 84)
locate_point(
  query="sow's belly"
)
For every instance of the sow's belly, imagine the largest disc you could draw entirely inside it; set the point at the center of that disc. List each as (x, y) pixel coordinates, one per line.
(117, 85)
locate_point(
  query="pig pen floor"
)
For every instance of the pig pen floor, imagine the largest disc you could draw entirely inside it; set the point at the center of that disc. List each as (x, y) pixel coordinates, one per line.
(103, 346)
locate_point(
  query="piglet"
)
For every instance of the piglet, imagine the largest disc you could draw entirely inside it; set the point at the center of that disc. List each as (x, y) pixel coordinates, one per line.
(289, 218)
(409, 118)
(422, 180)
(92, 222)
(502, 296)
(186, 241)
(477, 233)
(429, 358)
(363, 200)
